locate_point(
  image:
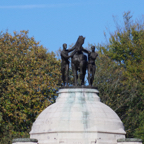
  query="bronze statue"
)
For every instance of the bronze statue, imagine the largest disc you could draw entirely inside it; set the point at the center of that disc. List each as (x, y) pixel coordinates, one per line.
(91, 65)
(79, 61)
(65, 63)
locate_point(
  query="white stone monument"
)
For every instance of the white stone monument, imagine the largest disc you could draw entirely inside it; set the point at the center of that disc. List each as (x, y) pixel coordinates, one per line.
(78, 117)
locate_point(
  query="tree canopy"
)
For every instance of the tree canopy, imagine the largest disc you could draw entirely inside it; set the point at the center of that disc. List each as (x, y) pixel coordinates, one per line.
(29, 79)
(121, 76)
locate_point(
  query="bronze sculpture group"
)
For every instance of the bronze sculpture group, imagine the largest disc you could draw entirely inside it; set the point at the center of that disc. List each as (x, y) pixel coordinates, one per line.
(79, 62)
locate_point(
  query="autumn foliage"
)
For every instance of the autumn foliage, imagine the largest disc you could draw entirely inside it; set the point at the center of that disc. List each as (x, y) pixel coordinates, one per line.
(29, 79)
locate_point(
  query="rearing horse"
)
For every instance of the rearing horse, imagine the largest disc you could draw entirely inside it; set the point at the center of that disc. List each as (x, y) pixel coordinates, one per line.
(79, 61)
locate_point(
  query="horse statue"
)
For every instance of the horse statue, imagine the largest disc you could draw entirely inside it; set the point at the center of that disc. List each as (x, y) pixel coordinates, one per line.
(79, 61)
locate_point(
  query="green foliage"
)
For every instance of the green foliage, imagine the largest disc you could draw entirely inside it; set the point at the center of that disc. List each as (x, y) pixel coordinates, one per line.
(127, 47)
(139, 132)
(123, 79)
(29, 79)
(114, 90)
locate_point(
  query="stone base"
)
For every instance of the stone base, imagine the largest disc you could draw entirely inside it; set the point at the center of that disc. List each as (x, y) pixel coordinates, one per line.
(129, 141)
(24, 141)
(78, 117)
(78, 138)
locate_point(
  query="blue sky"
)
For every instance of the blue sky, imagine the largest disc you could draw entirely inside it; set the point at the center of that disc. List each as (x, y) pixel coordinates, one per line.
(54, 22)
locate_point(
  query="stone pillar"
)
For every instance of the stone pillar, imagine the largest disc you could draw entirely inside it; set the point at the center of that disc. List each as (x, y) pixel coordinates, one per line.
(24, 141)
(129, 141)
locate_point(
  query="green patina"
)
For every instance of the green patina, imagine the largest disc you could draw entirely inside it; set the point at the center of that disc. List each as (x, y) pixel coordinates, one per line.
(81, 98)
(85, 117)
(68, 105)
(90, 96)
(84, 110)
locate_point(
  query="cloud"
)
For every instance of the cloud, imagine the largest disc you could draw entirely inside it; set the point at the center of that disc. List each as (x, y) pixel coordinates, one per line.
(39, 6)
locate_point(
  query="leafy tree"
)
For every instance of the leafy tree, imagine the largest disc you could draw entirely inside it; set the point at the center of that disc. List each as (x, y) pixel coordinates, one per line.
(29, 79)
(125, 50)
(139, 132)
(127, 47)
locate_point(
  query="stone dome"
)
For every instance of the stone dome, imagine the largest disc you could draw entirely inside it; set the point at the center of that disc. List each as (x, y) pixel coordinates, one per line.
(78, 110)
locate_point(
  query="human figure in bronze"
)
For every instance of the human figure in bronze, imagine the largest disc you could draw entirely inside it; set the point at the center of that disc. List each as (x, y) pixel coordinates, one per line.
(79, 61)
(65, 63)
(91, 65)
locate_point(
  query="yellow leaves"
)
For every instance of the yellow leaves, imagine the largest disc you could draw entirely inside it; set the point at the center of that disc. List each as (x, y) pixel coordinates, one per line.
(9, 70)
(10, 114)
(118, 94)
(30, 78)
(39, 92)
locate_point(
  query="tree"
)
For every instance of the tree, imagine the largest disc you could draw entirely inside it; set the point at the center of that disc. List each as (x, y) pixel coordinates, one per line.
(125, 50)
(29, 79)
(139, 132)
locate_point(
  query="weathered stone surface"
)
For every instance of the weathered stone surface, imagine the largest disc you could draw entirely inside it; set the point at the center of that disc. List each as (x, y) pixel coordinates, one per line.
(129, 141)
(24, 141)
(78, 117)
(82, 87)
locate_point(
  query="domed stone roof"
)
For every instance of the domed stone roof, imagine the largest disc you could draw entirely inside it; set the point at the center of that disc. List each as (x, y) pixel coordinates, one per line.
(78, 110)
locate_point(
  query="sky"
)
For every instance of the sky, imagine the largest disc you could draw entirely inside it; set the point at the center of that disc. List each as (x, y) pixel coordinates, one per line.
(54, 22)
